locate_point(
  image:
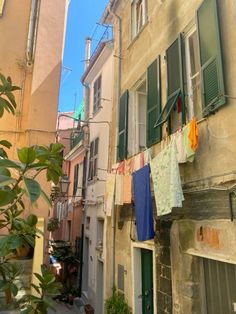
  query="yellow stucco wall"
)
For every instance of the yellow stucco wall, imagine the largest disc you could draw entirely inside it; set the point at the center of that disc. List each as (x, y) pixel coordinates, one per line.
(35, 118)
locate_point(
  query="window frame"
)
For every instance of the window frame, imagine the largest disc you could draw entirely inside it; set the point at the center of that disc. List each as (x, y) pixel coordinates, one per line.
(187, 61)
(97, 87)
(136, 26)
(93, 159)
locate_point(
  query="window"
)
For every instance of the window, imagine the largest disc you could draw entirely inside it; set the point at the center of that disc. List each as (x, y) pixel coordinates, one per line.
(76, 179)
(193, 75)
(138, 16)
(100, 227)
(1, 6)
(93, 159)
(97, 94)
(174, 110)
(123, 127)
(137, 118)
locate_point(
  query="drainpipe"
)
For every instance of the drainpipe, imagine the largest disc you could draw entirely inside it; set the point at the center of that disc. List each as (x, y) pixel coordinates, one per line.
(118, 18)
(32, 30)
(85, 162)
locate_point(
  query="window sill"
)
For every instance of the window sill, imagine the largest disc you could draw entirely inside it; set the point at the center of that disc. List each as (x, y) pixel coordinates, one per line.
(136, 37)
(97, 110)
(93, 180)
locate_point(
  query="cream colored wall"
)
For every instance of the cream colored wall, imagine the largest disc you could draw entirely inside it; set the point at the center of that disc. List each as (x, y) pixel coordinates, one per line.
(217, 133)
(35, 119)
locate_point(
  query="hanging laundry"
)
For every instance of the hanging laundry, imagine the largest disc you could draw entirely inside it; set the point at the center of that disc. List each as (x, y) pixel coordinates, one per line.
(109, 193)
(147, 155)
(127, 189)
(190, 153)
(193, 134)
(181, 152)
(166, 180)
(143, 204)
(129, 166)
(137, 164)
(121, 168)
(119, 189)
(142, 159)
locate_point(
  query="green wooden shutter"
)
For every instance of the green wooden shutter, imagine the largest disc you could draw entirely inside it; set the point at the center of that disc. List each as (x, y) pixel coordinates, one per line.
(76, 178)
(175, 83)
(153, 102)
(123, 126)
(212, 81)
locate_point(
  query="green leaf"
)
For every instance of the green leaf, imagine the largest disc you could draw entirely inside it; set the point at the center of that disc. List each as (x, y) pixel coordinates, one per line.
(6, 180)
(1, 110)
(5, 171)
(6, 197)
(26, 155)
(32, 220)
(36, 288)
(14, 289)
(56, 147)
(5, 144)
(39, 277)
(46, 198)
(7, 105)
(32, 188)
(9, 164)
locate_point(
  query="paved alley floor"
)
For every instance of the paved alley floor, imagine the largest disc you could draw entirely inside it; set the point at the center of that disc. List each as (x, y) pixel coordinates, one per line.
(61, 308)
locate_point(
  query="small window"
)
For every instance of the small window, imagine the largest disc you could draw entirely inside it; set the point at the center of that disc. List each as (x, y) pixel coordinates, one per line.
(97, 94)
(76, 179)
(1, 7)
(193, 75)
(100, 227)
(93, 159)
(138, 16)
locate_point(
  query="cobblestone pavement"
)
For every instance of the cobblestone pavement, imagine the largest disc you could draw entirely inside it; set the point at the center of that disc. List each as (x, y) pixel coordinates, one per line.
(62, 308)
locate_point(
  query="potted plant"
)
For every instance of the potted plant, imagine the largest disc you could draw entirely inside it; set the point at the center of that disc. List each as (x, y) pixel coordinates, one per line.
(53, 224)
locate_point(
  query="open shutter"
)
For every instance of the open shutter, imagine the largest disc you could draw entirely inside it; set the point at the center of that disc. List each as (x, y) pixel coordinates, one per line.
(212, 82)
(123, 126)
(175, 83)
(153, 102)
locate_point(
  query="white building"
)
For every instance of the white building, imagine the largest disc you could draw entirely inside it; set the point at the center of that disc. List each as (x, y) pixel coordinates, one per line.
(98, 82)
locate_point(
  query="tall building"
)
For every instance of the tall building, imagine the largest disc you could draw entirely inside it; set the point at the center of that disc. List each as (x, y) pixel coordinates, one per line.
(32, 39)
(175, 61)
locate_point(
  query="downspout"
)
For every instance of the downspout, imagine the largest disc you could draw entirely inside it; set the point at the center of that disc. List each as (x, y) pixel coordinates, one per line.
(32, 31)
(85, 162)
(113, 225)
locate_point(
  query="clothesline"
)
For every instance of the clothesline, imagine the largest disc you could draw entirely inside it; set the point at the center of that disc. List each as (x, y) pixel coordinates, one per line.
(130, 179)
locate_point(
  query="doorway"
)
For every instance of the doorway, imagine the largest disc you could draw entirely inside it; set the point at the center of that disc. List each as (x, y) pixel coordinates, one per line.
(143, 281)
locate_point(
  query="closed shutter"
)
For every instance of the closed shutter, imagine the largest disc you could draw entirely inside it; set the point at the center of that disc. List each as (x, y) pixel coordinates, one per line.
(153, 102)
(76, 177)
(212, 81)
(123, 126)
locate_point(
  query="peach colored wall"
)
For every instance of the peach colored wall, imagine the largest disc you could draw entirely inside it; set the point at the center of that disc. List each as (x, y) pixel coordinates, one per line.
(35, 119)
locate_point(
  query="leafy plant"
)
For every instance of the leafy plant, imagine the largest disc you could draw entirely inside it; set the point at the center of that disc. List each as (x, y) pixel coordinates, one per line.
(116, 304)
(53, 224)
(46, 289)
(18, 180)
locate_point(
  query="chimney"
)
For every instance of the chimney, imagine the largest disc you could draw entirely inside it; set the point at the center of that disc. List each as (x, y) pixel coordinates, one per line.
(87, 52)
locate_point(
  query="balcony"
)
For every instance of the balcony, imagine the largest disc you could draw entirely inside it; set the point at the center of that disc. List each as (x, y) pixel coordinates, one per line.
(75, 138)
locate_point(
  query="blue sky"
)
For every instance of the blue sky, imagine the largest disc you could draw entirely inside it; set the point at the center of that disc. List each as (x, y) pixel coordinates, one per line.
(81, 23)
